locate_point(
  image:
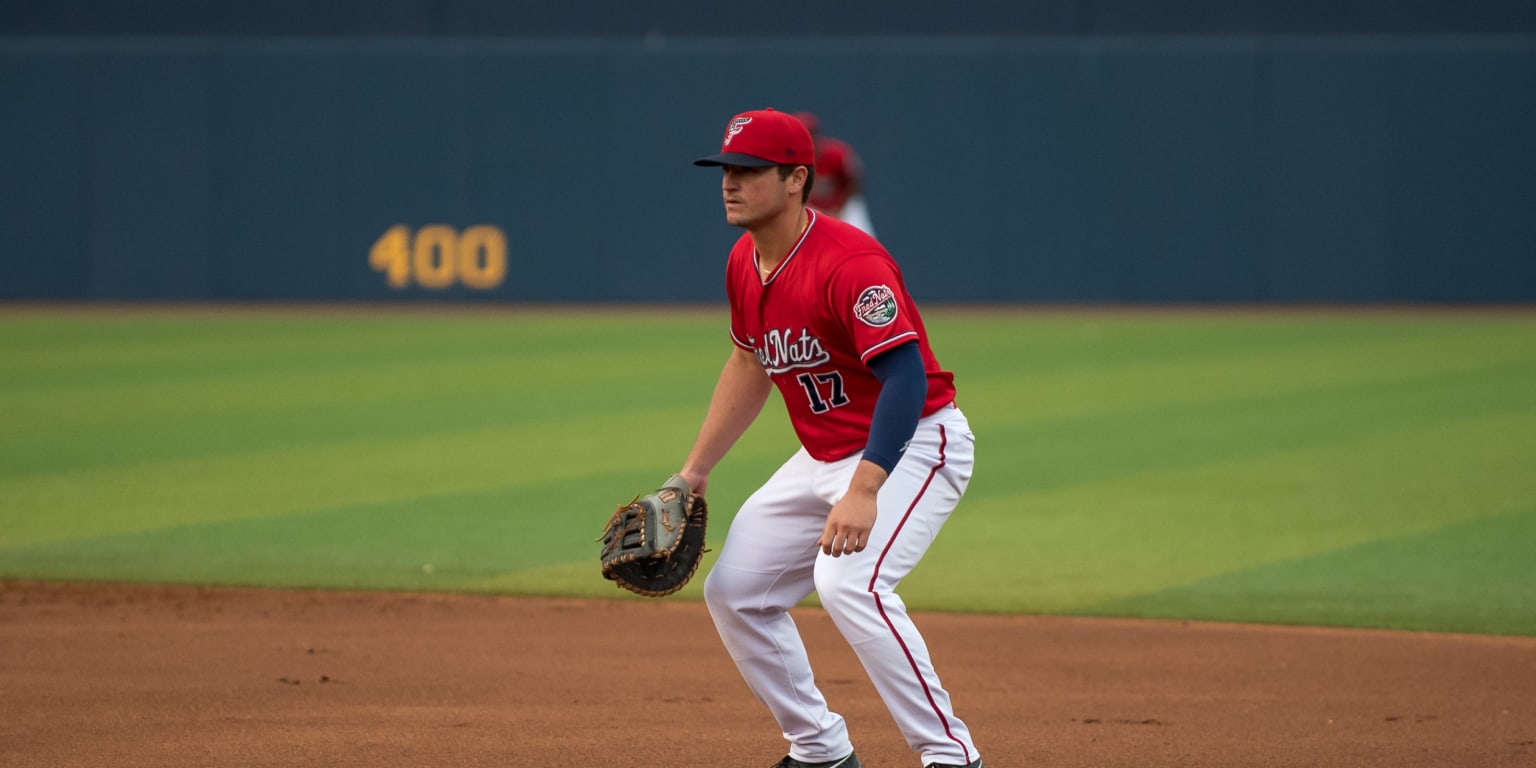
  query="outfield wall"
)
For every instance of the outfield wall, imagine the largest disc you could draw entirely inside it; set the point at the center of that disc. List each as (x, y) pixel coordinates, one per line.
(784, 18)
(1002, 169)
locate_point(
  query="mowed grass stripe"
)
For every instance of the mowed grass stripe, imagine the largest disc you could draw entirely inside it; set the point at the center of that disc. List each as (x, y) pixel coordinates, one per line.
(278, 408)
(286, 481)
(1090, 448)
(1472, 577)
(1124, 366)
(436, 541)
(1098, 548)
(1128, 464)
(360, 380)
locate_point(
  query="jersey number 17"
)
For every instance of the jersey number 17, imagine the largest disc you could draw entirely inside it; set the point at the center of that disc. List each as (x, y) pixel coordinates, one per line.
(813, 383)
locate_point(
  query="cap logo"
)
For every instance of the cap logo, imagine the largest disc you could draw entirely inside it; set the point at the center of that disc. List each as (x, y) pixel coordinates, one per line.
(735, 128)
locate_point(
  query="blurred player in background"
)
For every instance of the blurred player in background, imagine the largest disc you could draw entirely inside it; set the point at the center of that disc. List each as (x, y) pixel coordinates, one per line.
(839, 187)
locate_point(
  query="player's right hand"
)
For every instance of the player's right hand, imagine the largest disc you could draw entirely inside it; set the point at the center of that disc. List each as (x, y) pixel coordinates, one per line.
(849, 524)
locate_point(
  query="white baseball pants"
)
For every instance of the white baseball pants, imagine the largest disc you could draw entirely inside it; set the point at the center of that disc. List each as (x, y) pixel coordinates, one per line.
(770, 562)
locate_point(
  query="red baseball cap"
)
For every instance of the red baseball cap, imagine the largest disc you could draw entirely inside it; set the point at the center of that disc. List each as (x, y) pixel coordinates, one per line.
(764, 137)
(812, 123)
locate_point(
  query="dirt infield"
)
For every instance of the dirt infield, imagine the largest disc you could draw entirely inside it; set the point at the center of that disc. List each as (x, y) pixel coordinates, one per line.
(171, 676)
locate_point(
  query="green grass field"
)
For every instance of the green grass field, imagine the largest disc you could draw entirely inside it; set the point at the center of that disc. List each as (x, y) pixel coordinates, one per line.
(1356, 469)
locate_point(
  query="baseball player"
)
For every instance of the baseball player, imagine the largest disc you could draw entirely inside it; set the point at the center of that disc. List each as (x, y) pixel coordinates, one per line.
(819, 310)
(839, 177)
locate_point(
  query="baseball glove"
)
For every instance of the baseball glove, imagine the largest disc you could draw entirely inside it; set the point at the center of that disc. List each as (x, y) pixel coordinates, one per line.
(653, 544)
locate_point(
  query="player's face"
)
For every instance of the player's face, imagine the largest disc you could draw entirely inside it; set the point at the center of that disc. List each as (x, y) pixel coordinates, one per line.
(753, 195)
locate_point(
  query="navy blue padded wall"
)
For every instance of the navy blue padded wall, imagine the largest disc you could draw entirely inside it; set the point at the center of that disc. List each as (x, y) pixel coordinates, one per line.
(1000, 169)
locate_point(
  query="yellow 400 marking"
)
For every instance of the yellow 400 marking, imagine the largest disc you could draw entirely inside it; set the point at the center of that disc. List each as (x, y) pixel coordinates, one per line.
(438, 256)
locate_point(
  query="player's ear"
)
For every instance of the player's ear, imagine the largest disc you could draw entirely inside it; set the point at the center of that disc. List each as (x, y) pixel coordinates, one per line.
(797, 179)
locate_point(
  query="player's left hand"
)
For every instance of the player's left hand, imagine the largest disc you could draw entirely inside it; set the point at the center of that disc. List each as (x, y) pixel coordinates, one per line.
(849, 524)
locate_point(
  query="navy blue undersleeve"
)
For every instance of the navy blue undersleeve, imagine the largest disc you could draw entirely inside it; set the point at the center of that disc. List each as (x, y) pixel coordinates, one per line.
(903, 390)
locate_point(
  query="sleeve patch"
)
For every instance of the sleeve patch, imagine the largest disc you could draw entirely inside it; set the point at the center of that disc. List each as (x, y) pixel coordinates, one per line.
(876, 306)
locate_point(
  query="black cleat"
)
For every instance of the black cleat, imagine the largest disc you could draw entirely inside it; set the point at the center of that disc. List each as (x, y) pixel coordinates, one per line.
(851, 761)
(976, 764)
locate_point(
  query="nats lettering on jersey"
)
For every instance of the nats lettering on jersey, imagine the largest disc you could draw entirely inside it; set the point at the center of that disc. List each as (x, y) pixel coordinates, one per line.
(876, 306)
(778, 353)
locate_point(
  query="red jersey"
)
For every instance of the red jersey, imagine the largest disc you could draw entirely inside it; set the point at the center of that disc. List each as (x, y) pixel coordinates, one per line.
(836, 301)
